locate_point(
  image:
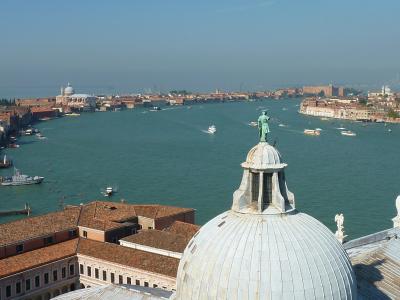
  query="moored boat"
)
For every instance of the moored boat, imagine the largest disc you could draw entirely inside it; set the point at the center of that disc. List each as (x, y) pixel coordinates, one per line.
(5, 163)
(20, 179)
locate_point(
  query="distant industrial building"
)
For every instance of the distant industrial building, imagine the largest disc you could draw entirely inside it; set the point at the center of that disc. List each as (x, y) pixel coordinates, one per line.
(325, 90)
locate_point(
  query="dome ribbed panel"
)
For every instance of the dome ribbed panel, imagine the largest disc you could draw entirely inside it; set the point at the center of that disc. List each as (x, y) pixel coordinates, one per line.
(265, 257)
(262, 155)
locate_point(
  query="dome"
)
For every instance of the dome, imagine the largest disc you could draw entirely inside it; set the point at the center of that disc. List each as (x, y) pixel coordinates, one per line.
(263, 248)
(262, 156)
(245, 256)
(69, 90)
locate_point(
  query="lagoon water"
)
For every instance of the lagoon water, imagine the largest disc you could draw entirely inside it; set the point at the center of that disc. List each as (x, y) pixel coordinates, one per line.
(165, 157)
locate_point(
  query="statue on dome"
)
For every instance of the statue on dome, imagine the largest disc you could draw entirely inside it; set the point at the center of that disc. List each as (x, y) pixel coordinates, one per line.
(263, 127)
(340, 235)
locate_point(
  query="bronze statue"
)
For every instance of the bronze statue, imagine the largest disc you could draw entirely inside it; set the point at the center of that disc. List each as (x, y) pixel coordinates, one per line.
(263, 127)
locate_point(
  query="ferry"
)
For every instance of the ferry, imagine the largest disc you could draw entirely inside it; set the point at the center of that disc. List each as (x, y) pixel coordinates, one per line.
(20, 179)
(212, 129)
(312, 132)
(348, 133)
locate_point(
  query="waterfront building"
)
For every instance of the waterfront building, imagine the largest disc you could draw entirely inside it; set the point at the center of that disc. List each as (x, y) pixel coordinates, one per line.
(325, 90)
(44, 256)
(69, 98)
(264, 248)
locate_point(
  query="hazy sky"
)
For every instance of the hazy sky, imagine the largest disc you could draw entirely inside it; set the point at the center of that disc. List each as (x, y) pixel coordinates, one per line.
(197, 45)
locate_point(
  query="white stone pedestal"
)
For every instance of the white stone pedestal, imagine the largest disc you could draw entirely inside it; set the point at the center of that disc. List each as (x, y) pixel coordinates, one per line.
(341, 237)
(396, 222)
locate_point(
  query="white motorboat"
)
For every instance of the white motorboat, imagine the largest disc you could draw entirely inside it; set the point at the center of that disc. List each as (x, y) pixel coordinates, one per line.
(311, 132)
(253, 124)
(212, 129)
(348, 133)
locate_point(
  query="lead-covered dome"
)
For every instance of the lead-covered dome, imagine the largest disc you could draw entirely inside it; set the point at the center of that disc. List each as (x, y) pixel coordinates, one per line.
(263, 248)
(69, 90)
(261, 156)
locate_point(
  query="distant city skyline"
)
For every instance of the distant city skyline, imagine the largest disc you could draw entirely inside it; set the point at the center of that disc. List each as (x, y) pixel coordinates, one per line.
(101, 47)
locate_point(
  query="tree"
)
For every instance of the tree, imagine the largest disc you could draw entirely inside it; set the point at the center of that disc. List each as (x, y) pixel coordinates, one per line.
(392, 114)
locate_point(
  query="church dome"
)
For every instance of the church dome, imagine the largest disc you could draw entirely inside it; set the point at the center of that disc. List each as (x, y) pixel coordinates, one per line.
(263, 248)
(69, 90)
(261, 156)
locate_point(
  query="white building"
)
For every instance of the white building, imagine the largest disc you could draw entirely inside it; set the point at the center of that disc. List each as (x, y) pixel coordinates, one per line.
(69, 98)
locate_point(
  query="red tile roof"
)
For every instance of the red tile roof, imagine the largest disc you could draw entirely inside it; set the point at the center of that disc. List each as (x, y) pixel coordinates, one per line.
(36, 258)
(129, 257)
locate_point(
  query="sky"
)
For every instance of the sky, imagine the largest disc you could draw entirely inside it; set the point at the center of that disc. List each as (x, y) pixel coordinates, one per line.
(159, 45)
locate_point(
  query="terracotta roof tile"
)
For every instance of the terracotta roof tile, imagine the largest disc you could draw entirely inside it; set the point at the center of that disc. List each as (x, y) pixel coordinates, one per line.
(129, 257)
(159, 239)
(186, 229)
(35, 258)
(32, 227)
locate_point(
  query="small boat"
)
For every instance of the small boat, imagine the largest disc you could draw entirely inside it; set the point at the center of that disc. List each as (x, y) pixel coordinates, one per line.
(72, 114)
(341, 128)
(108, 192)
(20, 179)
(312, 132)
(284, 109)
(29, 131)
(5, 163)
(324, 119)
(212, 129)
(348, 133)
(155, 108)
(389, 130)
(253, 124)
(282, 125)
(45, 119)
(13, 145)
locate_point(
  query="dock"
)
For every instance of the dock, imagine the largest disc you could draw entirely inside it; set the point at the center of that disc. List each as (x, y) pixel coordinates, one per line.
(25, 211)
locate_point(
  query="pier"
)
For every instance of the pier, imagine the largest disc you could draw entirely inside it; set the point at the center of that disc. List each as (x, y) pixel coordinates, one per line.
(25, 211)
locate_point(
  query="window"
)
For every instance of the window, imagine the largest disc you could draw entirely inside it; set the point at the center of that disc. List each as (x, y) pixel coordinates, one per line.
(105, 275)
(89, 271)
(18, 287)
(46, 278)
(155, 285)
(19, 248)
(63, 272)
(128, 280)
(71, 269)
(72, 233)
(267, 189)
(85, 234)
(255, 180)
(112, 277)
(81, 269)
(150, 227)
(96, 273)
(27, 284)
(137, 282)
(55, 274)
(37, 281)
(48, 240)
(120, 279)
(8, 291)
(146, 284)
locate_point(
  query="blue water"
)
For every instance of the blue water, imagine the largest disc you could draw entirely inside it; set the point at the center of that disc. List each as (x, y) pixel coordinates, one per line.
(165, 157)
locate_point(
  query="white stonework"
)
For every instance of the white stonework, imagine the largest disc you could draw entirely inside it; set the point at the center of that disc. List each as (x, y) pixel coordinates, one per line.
(263, 248)
(339, 234)
(396, 220)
